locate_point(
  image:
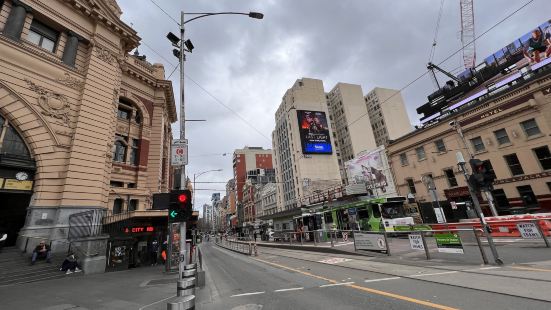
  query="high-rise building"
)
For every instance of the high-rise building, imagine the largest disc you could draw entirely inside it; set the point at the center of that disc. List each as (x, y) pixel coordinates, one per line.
(248, 159)
(352, 133)
(305, 159)
(387, 114)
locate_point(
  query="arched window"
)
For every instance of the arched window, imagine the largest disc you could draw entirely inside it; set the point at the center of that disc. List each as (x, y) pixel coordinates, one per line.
(12, 143)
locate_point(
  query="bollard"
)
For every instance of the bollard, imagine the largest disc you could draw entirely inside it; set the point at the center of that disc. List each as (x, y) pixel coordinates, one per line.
(255, 250)
(189, 273)
(185, 287)
(190, 266)
(250, 249)
(182, 303)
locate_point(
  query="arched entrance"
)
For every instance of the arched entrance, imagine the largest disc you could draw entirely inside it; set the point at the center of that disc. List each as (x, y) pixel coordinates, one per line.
(17, 170)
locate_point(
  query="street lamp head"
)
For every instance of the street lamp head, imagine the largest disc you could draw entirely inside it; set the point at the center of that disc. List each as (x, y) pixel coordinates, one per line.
(256, 15)
(172, 38)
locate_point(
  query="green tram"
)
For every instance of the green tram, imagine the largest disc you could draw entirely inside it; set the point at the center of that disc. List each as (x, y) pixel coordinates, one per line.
(373, 214)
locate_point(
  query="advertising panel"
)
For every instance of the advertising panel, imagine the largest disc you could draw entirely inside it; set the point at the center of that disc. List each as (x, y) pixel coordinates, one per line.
(369, 241)
(449, 243)
(314, 132)
(372, 171)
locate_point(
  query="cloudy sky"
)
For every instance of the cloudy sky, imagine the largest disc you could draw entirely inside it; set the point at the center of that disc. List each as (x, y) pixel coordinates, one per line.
(247, 64)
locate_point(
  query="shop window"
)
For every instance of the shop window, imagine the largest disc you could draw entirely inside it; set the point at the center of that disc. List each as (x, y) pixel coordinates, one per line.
(530, 127)
(116, 184)
(117, 206)
(411, 186)
(500, 199)
(514, 164)
(133, 205)
(440, 146)
(43, 36)
(404, 159)
(478, 144)
(527, 196)
(452, 181)
(502, 137)
(544, 157)
(420, 153)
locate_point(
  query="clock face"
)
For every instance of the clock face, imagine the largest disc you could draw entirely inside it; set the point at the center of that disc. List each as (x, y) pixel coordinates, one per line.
(21, 176)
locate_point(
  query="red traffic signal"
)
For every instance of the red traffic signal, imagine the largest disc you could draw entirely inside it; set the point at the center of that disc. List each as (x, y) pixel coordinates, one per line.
(182, 198)
(180, 207)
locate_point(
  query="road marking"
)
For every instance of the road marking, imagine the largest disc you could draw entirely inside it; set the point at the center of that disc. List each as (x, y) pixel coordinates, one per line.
(488, 268)
(433, 274)
(289, 289)
(366, 289)
(158, 301)
(248, 294)
(336, 284)
(382, 279)
(532, 269)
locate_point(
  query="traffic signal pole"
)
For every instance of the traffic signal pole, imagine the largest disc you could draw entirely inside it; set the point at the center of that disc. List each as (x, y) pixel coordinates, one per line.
(476, 203)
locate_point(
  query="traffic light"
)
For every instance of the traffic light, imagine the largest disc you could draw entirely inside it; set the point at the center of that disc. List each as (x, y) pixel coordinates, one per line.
(482, 175)
(180, 206)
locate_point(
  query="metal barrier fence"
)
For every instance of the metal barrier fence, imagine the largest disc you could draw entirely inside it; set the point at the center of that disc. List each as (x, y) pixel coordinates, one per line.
(241, 245)
(86, 224)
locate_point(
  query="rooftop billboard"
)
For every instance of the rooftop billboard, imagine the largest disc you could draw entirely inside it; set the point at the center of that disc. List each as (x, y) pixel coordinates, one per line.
(314, 132)
(372, 171)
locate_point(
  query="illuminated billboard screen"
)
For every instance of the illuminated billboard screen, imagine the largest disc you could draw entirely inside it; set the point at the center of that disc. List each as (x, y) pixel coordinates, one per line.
(314, 132)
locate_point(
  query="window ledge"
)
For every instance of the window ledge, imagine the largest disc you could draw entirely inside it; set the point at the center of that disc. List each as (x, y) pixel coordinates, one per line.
(481, 152)
(505, 145)
(535, 137)
(420, 160)
(442, 153)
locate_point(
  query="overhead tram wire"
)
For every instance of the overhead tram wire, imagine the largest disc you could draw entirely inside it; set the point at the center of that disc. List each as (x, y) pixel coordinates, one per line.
(433, 48)
(447, 58)
(208, 93)
(160, 8)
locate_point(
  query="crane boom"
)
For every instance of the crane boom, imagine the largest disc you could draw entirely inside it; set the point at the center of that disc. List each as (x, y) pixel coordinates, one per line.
(467, 33)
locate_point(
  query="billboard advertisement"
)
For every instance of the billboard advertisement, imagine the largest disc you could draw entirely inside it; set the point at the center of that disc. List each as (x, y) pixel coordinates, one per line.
(371, 170)
(314, 132)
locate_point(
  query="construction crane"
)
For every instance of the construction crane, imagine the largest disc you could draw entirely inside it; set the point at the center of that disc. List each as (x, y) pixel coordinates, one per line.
(467, 33)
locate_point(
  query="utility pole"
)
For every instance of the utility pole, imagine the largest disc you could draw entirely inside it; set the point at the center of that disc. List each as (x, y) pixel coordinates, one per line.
(474, 197)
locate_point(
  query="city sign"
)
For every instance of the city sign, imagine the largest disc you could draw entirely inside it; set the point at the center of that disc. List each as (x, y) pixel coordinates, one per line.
(369, 241)
(139, 229)
(416, 242)
(179, 153)
(449, 243)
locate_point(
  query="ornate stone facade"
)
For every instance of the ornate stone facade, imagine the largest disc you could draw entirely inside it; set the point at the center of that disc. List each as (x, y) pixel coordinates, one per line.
(71, 105)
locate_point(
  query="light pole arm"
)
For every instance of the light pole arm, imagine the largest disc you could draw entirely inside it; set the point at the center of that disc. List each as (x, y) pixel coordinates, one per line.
(201, 15)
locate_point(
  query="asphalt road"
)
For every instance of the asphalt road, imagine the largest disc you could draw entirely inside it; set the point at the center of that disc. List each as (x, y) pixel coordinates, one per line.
(276, 281)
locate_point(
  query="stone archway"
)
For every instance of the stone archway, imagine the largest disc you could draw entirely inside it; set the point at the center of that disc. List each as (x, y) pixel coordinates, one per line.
(20, 158)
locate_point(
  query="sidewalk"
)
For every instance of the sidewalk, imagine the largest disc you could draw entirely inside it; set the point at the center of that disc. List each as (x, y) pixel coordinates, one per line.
(129, 289)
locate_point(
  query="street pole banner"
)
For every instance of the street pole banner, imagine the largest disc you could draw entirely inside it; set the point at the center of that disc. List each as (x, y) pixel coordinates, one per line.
(449, 243)
(528, 231)
(179, 153)
(416, 242)
(372, 241)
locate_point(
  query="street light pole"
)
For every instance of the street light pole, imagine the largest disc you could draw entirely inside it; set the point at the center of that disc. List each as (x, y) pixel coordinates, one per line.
(182, 58)
(196, 175)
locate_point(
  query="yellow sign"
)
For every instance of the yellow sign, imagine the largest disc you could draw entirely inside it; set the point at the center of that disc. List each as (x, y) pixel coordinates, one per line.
(18, 185)
(1, 182)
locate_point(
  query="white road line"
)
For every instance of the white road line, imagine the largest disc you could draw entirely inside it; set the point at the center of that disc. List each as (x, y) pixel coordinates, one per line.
(289, 289)
(488, 268)
(336, 284)
(158, 301)
(382, 279)
(247, 294)
(432, 274)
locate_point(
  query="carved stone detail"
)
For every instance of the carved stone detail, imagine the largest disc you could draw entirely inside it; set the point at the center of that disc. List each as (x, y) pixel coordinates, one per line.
(71, 82)
(105, 54)
(53, 104)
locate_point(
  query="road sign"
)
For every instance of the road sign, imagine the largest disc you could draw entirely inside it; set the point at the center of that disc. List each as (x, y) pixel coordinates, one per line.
(179, 153)
(416, 242)
(528, 231)
(449, 243)
(370, 241)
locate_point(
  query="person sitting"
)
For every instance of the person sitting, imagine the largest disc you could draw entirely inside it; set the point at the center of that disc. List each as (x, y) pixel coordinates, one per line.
(42, 251)
(70, 264)
(536, 45)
